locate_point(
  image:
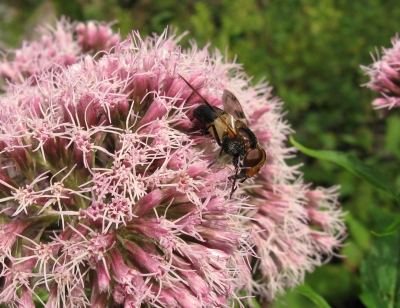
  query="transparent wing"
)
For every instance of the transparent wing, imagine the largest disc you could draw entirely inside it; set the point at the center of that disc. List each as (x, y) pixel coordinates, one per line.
(232, 106)
(229, 127)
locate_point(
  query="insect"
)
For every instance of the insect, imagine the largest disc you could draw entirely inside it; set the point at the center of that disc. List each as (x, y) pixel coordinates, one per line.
(229, 128)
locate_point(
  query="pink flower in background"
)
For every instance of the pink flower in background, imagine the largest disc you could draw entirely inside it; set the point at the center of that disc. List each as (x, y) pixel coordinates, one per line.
(107, 191)
(385, 77)
(57, 48)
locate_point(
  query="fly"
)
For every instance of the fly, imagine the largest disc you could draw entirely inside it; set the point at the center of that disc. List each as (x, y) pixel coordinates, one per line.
(229, 128)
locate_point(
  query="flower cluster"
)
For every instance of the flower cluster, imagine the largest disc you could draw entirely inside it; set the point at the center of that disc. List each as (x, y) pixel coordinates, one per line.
(110, 194)
(385, 77)
(57, 48)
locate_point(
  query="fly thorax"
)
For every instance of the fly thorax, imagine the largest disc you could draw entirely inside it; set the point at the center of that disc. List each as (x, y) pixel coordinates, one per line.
(233, 145)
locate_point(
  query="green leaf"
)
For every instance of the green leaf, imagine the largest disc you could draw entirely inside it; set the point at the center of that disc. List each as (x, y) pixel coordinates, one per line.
(255, 303)
(358, 232)
(393, 227)
(353, 164)
(380, 274)
(317, 299)
(392, 138)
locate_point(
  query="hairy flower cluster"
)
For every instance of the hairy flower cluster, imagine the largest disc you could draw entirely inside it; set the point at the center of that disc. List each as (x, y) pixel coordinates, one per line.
(56, 48)
(385, 77)
(110, 195)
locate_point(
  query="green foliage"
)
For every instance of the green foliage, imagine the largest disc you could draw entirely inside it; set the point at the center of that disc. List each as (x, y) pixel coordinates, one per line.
(307, 291)
(392, 138)
(310, 52)
(380, 273)
(369, 174)
(294, 299)
(354, 165)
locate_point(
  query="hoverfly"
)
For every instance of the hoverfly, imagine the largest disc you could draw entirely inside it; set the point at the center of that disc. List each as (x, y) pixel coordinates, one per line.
(229, 129)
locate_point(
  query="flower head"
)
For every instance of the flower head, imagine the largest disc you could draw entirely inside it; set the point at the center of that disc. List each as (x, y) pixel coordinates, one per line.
(385, 77)
(57, 48)
(107, 183)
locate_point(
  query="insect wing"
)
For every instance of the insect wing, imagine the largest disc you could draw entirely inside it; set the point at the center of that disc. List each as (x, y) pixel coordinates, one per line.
(232, 106)
(214, 109)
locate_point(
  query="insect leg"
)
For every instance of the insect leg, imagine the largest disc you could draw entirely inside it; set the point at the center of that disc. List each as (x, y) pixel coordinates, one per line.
(215, 160)
(212, 126)
(234, 183)
(237, 176)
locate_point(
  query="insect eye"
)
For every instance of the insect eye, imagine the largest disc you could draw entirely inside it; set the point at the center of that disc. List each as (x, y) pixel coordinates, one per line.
(253, 158)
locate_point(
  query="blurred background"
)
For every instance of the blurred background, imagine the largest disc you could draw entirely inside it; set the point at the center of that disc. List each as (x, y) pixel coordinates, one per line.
(310, 52)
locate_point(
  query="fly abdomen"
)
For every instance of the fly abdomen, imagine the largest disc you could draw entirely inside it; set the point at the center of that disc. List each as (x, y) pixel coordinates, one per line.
(206, 115)
(212, 123)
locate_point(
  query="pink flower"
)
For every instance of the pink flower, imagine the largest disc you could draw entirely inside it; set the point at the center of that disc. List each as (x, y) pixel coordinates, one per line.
(57, 47)
(109, 183)
(385, 77)
(95, 36)
(294, 230)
